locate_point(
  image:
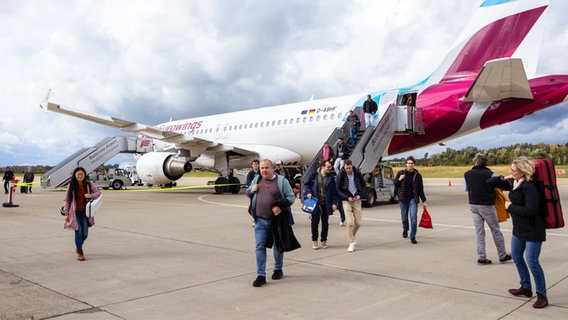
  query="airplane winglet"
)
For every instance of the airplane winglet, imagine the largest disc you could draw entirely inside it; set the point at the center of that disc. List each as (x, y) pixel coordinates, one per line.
(44, 103)
(500, 79)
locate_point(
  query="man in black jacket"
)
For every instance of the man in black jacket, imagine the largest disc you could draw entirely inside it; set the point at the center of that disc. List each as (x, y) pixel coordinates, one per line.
(410, 190)
(350, 185)
(370, 108)
(482, 206)
(8, 176)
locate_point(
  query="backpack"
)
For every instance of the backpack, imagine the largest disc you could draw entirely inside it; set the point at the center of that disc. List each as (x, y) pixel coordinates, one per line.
(545, 179)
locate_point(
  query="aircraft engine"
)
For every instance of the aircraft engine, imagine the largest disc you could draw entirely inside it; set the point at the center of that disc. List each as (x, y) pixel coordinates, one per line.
(161, 167)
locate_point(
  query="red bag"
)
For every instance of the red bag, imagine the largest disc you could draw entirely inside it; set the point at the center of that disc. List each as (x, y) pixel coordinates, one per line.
(545, 178)
(425, 220)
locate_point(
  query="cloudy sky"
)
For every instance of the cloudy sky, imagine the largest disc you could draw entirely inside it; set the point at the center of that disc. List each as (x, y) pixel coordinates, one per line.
(149, 61)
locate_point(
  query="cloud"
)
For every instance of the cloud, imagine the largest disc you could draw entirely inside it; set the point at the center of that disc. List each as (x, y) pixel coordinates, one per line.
(149, 61)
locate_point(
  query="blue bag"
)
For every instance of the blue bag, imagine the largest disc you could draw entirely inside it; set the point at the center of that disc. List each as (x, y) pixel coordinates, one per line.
(310, 205)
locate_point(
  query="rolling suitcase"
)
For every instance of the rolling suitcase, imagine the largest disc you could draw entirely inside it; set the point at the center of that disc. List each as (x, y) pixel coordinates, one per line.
(545, 177)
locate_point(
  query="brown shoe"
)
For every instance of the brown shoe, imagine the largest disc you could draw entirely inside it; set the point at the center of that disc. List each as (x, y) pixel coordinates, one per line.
(80, 255)
(521, 292)
(541, 301)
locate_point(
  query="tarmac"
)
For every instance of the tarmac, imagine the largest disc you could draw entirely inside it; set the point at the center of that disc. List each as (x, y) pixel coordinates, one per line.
(188, 253)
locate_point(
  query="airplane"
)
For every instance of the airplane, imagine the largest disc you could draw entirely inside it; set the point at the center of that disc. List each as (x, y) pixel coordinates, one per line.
(487, 79)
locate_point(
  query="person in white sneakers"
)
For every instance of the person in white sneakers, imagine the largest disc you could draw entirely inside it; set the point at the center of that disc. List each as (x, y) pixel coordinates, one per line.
(349, 187)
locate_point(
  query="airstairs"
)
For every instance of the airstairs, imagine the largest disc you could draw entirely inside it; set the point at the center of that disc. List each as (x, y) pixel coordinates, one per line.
(91, 158)
(398, 119)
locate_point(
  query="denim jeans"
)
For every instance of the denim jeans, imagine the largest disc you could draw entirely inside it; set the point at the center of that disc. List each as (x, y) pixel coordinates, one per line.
(82, 232)
(412, 207)
(532, 252)
(261, 234)
(353, 135)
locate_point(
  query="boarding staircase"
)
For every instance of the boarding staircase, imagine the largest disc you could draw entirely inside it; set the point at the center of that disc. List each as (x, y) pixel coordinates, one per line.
(91, 158)
(398, 119)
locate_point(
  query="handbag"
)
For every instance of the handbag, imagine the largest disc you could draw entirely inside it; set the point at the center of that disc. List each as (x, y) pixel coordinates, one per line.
(425, 220)
(310, 205)
(93, 206)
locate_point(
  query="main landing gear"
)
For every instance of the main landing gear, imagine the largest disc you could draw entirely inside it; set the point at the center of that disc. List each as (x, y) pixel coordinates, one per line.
(230, 184)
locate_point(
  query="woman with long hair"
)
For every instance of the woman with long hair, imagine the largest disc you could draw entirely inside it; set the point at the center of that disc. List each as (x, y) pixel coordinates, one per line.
(79, 192)
(529, 227)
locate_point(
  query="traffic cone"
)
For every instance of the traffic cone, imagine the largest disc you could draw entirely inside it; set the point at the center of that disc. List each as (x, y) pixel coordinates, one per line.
(449, 183)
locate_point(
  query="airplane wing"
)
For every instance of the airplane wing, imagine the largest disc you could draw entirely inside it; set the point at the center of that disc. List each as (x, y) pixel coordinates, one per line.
(500, 79)
(181, 141)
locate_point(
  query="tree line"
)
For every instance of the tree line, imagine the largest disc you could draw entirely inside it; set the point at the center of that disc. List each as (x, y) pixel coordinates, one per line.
(558, 153)
(22, 169)
(39, 169)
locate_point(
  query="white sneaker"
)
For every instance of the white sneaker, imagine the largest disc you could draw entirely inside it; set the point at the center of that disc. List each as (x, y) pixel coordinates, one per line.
(351, 247)
(341, 223)
(315, 245)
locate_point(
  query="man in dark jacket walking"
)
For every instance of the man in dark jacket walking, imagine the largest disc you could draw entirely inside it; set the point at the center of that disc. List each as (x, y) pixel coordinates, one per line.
(350, 185)
(482, 206)
(28, 180)
(8, 176)
(321, 185)
(410, 190)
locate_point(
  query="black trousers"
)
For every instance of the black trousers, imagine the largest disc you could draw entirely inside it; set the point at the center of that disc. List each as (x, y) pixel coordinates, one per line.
(324, 217)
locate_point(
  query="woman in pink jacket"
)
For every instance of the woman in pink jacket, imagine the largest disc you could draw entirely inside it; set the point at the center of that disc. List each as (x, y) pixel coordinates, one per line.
(80, 190)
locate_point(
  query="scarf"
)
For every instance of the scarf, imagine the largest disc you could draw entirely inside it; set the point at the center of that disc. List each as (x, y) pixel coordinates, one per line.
(516, 183)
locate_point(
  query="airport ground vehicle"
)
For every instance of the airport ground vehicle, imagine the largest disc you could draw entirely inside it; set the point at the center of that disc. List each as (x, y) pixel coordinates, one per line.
(111, 178)
(380, 186)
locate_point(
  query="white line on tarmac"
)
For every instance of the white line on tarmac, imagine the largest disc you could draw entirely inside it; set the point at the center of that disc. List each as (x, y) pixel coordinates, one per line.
(202, 198)
(462, 226)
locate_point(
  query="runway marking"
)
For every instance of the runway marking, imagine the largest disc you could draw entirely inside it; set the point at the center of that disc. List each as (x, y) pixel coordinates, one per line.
(155, 202)
(202, 199)
(461, 226)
